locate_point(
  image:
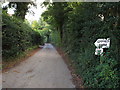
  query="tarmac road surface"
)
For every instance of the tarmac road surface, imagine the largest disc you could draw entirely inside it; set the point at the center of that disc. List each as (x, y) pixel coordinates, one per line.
(45, 69)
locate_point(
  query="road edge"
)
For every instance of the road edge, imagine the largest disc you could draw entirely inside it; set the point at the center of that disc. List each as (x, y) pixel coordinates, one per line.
(29, 54)
(76, 79)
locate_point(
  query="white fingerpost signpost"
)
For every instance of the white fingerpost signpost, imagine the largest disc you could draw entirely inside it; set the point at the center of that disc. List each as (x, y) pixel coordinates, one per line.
(101, 44)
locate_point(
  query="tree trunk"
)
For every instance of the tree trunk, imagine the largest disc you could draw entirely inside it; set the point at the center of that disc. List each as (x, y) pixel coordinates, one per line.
(61, 33)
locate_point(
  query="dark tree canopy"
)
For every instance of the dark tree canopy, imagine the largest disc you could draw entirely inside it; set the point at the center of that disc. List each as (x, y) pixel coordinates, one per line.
(21, 9)
(79, 25)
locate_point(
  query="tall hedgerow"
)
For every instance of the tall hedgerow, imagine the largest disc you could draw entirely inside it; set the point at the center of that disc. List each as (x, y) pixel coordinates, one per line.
(83, 24)
(17, 37)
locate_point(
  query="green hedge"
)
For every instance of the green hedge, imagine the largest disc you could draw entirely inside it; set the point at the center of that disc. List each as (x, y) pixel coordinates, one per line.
(17, 37)
(82, 28)
(82, 32)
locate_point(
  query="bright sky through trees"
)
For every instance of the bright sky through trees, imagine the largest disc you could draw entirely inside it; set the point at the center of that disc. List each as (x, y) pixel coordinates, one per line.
(38, 10)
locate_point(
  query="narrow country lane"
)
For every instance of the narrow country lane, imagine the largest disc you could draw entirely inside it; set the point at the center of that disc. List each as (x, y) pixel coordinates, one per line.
(45, 69)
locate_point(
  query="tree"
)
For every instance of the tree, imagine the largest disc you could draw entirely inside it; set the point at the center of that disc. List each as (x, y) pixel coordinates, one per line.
(81, 25)
(21, 9)
(55, 15)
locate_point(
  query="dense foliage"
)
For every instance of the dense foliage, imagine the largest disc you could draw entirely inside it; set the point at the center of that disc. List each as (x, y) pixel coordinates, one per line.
(81, 25)
(17, 37)
(21, 8)
(43, 29)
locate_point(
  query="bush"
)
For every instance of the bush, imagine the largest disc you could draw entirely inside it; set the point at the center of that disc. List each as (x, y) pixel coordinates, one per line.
(81, 27)
(17, 37)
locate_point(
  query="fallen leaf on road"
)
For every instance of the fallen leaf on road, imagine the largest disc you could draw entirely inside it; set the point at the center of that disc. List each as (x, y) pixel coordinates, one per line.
(16, 71)
(30, 76)
(3, 81)
(29, 71)
(6, 72)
